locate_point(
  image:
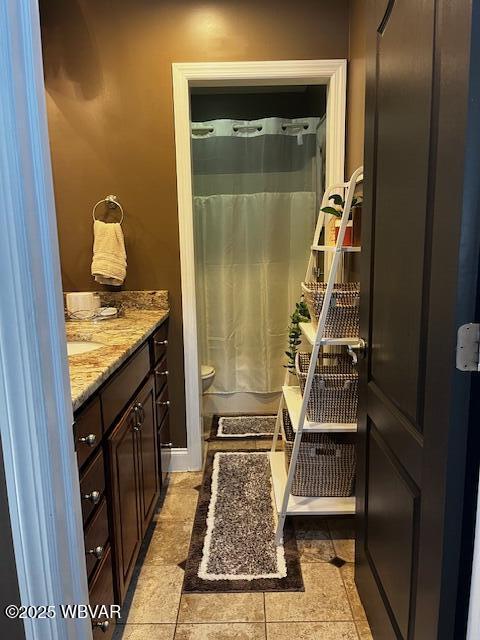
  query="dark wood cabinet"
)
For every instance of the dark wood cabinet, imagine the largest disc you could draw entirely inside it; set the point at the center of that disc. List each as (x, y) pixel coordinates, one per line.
(134, 476)
(87, 431)
(119, 390)
(147, 453)
(162, 401)
(117, 435)
(123, 471)
(96, 538)
(164, 445)
(92, 486)
(101, 593)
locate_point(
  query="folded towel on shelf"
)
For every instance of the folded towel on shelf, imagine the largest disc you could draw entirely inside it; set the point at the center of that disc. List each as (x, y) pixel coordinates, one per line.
(109, 262)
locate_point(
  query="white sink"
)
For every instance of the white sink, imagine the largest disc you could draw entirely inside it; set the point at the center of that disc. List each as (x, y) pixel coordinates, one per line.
(76, 347)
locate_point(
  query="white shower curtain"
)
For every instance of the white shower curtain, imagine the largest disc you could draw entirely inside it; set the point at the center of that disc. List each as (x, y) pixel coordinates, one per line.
(256, 187)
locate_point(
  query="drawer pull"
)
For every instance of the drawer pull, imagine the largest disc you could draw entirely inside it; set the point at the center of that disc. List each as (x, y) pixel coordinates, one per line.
(93, 496)
(167, 445)
(90, 440)
(163, 403)
(102, 625)
(96, 551)
(139, 412)
(161, 343)
(161, 373)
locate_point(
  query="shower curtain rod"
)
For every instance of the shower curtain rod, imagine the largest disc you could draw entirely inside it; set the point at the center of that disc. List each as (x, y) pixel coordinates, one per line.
(251, 127)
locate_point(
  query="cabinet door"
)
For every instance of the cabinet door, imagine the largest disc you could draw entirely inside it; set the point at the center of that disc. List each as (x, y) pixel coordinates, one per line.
(127, 535)
(144, 406)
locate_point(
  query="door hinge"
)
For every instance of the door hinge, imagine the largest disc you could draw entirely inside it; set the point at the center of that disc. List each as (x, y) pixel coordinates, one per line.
(468, 347)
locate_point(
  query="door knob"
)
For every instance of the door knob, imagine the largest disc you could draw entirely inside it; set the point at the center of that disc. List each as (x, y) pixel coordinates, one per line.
(96, 551)
(90, 439)
(357, 351)
(93, 496)
(102, 625)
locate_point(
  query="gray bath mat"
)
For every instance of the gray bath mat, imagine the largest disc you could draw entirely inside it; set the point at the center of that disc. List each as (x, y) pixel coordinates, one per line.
(243, 426)
(233, 539)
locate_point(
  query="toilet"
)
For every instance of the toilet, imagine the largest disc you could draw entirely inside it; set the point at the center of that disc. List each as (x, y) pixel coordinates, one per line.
(208, 374)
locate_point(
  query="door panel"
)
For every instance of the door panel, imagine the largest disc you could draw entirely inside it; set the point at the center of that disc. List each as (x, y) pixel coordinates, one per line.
(419, 266)
(402, 154)
(148, 463)
(125, 500)
(391, 527)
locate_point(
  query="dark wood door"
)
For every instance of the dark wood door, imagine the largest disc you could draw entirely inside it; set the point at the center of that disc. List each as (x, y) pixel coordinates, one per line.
(419, 263)
(126, 508)
(147, 452)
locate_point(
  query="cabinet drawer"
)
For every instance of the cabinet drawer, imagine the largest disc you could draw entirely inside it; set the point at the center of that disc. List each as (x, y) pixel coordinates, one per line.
(162, 403)
(92, 485)
(96, 538)
(101, 593)
(160, 342)
(87, 430)
(161, 374)
(164, 446)
(118, 393)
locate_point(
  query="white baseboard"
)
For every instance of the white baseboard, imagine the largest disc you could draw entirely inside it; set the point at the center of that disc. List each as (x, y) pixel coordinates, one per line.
(181, 460)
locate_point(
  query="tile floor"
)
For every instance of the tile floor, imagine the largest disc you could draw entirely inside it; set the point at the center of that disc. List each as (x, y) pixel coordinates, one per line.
(329, 609)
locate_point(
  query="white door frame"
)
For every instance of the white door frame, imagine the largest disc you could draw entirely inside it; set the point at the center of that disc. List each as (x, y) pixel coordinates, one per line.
(332, 73)
(35, 403)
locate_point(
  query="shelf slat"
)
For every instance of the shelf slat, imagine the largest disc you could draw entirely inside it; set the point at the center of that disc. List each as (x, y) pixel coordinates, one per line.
(293, 400)
(298, 505)
(333, 248)
(309, 331)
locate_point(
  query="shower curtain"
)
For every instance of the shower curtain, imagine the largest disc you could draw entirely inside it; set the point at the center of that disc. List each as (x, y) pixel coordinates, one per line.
(256, 189)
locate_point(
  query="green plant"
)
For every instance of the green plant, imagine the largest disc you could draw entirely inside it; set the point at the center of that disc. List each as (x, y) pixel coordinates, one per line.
(339, 204)
(301, 314)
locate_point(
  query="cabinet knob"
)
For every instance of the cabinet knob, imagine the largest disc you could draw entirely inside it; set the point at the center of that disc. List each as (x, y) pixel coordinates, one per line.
(161, 373)
(96, 551)
(90, 440)
(102, 625)
(163, 403)
(161, 343)
(166, 445)
(93, 496)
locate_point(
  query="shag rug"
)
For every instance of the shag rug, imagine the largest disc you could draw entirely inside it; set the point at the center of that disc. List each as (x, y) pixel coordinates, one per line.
(233, 540)
(242, 426)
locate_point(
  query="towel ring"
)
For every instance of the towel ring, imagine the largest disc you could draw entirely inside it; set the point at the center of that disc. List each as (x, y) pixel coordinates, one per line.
(111, 202)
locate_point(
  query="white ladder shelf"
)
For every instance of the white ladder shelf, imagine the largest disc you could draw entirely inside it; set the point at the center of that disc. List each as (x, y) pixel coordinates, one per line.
(292, 399)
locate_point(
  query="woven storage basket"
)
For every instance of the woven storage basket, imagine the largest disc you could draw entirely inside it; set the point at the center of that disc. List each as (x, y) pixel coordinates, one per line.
(325, 463)
(342, 317)
(334, 393)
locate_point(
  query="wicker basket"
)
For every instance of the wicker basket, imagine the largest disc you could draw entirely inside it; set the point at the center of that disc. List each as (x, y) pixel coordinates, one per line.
(325, 463)
(342, 317)
(334, 393)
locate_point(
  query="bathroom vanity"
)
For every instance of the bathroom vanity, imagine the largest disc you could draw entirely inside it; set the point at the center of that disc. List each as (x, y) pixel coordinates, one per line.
(122, 441)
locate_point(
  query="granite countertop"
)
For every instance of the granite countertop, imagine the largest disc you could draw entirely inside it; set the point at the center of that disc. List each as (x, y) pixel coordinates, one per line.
(142, 313)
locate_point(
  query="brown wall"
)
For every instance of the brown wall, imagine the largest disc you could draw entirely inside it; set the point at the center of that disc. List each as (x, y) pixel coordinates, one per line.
(356, 86)
(109, 96)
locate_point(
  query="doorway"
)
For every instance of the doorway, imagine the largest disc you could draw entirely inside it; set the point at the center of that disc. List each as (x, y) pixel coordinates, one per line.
(330, 74)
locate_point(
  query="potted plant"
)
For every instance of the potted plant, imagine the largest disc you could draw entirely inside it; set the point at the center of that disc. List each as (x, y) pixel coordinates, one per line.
(352, 232)
(301, 314)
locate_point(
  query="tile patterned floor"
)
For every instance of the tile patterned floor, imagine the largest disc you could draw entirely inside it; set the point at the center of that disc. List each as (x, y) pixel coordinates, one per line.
(329, 609)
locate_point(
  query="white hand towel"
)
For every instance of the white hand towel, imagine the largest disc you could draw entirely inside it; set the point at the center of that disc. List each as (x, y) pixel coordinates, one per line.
(109, 262)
